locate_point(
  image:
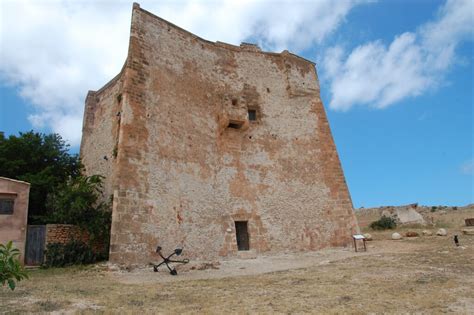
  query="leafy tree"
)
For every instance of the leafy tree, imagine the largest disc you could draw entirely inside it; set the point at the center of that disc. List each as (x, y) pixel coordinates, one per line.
(40, 159)
(10, 268)
(79, 202)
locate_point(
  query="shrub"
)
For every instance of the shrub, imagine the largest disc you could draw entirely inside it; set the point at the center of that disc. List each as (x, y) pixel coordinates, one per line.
(433, 209)
(68, 254)
(10, 268)
(383, 223)
(79, 202)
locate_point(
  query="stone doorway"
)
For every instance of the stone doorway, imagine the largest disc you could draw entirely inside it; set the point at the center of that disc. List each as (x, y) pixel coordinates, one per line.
(242, 235)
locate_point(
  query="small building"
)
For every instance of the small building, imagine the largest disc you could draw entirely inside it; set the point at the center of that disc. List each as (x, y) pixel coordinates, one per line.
(14, 196)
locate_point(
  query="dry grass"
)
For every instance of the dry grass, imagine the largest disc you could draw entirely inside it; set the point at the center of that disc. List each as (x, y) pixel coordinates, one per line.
(420, 275)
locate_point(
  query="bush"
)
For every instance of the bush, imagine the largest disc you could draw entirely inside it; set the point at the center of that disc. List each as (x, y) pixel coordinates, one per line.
(71, 253)
(10, 268)
(383, 223)
(79, 202)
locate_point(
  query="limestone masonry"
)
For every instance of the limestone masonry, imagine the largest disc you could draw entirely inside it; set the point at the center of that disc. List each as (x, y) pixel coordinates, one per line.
(220, 149)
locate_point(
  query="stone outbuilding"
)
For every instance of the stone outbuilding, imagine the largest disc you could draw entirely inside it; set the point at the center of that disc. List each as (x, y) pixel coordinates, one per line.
(220, 149)
(14, 196)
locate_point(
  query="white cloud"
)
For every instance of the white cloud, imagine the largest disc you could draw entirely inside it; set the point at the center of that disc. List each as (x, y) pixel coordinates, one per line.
(377, 75)
(54, 51)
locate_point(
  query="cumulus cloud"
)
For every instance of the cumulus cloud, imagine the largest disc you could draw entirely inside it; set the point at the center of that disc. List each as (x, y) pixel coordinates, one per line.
(54, 51)
(380, 75)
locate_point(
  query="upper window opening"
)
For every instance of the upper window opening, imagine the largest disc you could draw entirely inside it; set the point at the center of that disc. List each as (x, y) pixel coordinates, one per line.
(235, 125)
(235, 102)
(252, 115)
(6, 206)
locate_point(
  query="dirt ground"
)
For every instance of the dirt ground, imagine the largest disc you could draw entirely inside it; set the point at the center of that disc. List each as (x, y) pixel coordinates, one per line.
(414, 275)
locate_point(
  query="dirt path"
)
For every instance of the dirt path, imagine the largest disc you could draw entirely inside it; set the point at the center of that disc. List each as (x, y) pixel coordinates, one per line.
(264, 263)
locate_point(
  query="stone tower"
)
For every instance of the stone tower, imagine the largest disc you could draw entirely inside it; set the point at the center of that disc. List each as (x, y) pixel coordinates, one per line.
(218, 148)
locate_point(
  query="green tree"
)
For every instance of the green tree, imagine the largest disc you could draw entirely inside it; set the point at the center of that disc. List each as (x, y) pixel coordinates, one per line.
(40, 159)
(80, 202)
(10, 268)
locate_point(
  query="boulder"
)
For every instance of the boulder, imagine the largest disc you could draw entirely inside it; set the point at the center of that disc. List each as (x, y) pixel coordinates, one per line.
(412, 234)
(396, 236)
(409, 216)
(368, 237)
(468, 231)
(427, 233)
(441, 232)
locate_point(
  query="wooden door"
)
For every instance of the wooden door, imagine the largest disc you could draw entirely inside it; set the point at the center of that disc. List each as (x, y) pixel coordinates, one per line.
(35, 239)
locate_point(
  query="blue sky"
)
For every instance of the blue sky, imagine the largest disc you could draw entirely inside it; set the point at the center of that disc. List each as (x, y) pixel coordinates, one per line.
(396, 77)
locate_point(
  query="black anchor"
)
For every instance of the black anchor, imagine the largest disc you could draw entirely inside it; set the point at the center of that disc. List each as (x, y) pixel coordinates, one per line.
(167, 260)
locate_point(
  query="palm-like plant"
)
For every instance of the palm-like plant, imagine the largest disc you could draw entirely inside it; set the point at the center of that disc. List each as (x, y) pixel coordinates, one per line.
(10, 268)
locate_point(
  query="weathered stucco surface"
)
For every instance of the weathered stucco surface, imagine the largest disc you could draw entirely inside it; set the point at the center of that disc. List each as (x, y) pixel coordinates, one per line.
(182, 177)
(13, 226)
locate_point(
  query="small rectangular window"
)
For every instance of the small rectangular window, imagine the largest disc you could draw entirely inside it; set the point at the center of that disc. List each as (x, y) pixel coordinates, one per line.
(252, 115)
(6, 206)
(235, 124)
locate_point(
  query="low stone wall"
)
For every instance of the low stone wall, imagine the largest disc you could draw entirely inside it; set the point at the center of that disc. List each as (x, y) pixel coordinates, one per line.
(63, 233)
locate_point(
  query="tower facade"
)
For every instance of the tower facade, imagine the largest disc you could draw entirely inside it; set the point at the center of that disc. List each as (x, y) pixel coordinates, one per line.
(218, 148)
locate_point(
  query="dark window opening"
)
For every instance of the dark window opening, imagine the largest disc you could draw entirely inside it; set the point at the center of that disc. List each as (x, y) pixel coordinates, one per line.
(252, 115)
(242, 235)
(268, 90)
(6, 206)
(235, 125)
(234, 102)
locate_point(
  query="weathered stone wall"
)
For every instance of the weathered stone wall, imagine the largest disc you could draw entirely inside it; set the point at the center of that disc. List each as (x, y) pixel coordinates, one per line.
(64, 233)
(183, 177)
(13, 226)
(100, 132)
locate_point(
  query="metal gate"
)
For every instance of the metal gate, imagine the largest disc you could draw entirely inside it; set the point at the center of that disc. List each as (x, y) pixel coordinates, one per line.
(35, 239)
